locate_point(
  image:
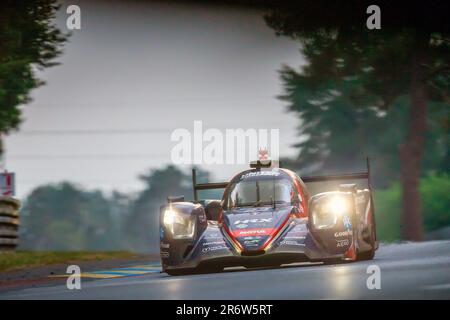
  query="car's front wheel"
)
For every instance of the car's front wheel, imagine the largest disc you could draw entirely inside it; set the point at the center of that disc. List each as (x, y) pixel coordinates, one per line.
(188, 271)
(369, 255)
(179, 272)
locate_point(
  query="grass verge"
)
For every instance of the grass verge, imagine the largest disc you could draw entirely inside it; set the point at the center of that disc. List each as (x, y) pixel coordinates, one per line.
(25, 259)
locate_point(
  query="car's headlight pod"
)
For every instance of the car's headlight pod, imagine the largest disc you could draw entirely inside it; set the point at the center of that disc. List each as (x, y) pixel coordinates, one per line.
(180, 225)
(327, 211)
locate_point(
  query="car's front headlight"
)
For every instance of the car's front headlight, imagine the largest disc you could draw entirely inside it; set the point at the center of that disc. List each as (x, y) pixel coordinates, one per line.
(327, 211)
(180, 225)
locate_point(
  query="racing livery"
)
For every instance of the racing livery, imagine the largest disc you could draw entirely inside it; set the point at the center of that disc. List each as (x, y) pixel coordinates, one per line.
(267, 217)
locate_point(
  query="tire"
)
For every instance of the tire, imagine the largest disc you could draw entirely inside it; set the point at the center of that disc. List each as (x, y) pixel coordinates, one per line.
(179, 272)
(369, 255)
(190, 271)
(329, 262)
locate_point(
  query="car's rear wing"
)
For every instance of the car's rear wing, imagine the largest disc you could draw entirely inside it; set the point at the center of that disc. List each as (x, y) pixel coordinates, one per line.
(332, 177)
(204, 186)
(346, 176)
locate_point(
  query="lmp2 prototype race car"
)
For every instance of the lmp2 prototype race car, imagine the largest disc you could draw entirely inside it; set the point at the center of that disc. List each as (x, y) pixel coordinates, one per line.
(267, 217)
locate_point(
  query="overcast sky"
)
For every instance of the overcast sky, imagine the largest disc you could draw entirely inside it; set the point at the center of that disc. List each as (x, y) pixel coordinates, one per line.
(135, 72)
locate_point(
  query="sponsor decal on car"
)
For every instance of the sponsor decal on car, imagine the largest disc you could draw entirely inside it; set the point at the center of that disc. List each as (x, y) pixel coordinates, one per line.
(291, 243)
(294, 237)
(242, 226)
(256, 220)
(213, 243)
(214, 248)
(252, 232)
(252, 238)
(342, 243)
(347, 222)
(253, 242)
(260, 173)
(343, 234)
(164, 254)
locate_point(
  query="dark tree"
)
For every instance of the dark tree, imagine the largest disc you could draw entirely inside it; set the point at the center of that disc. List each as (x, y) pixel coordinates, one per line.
(367, 73)
(28, 40)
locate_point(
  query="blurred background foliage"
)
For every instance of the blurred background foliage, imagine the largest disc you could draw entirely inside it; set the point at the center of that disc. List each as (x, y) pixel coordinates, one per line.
(434, 190)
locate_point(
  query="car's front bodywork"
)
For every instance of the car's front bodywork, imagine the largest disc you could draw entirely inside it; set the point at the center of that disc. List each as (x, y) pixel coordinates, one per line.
(327, 226)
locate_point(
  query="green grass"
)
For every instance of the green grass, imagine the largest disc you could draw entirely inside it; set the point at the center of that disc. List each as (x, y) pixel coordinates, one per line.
(25, 259)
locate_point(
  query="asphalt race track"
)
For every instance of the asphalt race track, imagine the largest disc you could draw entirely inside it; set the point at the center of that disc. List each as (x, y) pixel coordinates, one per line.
(408, 271)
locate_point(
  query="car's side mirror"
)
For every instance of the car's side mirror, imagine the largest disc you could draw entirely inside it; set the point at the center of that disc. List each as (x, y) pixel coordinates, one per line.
(212, 210)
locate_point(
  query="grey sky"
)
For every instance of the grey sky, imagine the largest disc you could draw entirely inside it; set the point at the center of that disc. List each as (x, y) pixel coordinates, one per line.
(135, 72)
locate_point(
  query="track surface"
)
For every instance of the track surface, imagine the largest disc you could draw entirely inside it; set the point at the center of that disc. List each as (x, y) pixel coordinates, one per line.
(408, 271)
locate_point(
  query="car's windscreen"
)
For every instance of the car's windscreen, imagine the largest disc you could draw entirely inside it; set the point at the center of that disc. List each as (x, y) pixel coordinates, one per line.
(258, 192)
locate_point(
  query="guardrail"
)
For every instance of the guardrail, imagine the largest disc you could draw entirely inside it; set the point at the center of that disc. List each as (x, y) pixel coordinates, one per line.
(9, 223)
